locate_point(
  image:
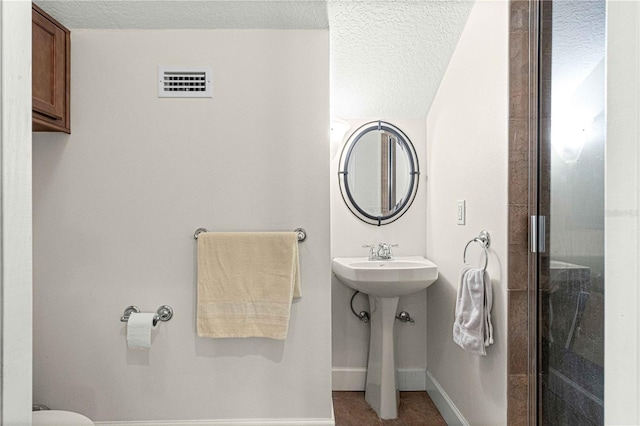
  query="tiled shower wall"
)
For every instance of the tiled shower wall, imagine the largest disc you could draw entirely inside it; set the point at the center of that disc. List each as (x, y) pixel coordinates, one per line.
(521, 298)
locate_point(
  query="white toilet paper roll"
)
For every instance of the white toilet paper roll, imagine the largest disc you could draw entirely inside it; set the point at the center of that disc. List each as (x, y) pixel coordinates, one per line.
(139, 329)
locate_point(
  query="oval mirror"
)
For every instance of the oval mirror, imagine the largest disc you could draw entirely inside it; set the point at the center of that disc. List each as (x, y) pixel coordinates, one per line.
(378, 173)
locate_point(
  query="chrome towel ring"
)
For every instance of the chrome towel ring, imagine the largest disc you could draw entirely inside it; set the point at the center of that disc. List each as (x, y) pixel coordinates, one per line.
(484, 239)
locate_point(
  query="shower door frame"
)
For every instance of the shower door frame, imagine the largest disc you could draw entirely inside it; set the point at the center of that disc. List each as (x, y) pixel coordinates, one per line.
(524, 185)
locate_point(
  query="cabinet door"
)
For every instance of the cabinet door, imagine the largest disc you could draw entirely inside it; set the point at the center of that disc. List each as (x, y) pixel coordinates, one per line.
(50, 73)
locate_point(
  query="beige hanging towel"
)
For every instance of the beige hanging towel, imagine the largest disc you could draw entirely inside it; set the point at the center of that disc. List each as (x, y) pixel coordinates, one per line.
(246, 282)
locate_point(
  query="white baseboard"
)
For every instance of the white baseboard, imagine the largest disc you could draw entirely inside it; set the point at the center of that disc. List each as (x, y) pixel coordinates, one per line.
(445, 405)
(348, 379)
(353, 379)
(412, 379)
(227, 422)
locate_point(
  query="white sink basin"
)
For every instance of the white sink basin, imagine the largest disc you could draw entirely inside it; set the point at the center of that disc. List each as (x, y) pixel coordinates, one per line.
(386, 278)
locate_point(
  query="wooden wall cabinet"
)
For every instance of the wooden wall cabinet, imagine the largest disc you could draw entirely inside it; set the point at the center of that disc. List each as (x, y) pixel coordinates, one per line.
(51, 71)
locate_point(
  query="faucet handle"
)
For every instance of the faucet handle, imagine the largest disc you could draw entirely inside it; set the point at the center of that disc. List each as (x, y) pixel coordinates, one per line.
(372, 250)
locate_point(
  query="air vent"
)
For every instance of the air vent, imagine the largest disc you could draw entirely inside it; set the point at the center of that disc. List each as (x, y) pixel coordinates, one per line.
(184, 82)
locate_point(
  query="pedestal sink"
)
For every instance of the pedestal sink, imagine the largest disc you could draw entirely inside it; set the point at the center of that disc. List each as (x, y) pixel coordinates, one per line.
(384, 281)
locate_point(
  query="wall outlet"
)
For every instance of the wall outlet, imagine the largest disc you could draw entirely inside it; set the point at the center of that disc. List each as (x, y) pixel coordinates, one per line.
(461, 212)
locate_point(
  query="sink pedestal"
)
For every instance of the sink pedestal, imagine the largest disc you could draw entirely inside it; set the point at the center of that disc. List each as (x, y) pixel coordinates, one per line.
(384, 281)
(381, 391)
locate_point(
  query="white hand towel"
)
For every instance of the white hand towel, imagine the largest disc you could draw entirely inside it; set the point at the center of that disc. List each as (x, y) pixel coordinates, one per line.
(246, 282)
(472, 328)
(488, 304)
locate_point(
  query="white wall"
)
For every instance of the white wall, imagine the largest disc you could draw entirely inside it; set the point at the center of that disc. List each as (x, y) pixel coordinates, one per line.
(117, 202)
(350, 337)
(467, 147)
(622, 218)
(15, 213)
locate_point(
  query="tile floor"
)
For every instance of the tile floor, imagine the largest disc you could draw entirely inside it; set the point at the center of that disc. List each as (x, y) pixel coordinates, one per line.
(416, 409)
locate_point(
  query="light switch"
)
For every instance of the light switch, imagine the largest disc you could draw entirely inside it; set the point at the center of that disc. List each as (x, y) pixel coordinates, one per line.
(461, 212)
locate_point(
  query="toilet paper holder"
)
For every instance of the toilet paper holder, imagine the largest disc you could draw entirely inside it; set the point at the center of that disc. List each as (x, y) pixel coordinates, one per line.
(164, 313)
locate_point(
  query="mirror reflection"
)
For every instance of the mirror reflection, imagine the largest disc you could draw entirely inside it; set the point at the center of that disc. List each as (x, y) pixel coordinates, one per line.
(378, 173)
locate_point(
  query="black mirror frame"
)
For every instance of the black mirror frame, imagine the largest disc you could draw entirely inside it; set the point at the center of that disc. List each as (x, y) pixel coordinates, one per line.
(347, 151)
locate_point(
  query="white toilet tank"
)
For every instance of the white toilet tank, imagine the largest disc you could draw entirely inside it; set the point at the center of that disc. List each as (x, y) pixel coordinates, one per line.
(59, 418)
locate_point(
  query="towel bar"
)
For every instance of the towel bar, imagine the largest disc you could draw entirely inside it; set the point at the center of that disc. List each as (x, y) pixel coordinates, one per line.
(302, 234)
(484, 239)
(164, 313)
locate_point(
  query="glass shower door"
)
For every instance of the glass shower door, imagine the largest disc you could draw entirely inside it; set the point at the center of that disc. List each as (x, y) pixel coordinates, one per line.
(572, 200)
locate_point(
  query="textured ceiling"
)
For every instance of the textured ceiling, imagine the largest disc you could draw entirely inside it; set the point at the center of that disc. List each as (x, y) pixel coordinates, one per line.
(387, 56)
(188, 14)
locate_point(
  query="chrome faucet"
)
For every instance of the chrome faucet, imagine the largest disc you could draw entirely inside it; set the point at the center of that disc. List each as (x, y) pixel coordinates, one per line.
(381, 252)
